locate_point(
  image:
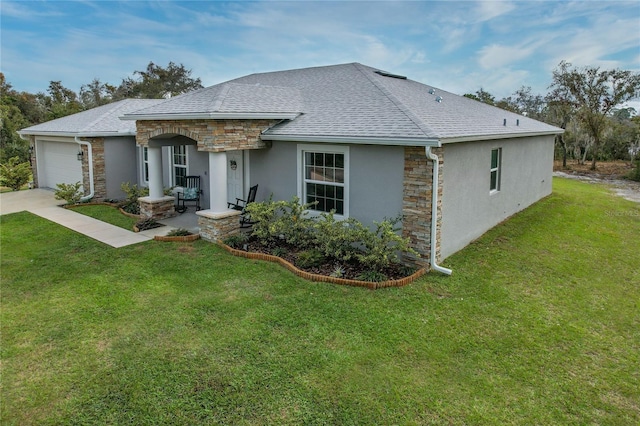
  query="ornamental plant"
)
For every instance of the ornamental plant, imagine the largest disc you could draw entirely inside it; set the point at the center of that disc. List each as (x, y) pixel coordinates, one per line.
(15, 174)
(342, 241)
(70, 192)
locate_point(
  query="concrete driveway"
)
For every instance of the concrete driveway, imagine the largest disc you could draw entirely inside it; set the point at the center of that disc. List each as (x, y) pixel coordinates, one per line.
(17, 201)
(42, 202)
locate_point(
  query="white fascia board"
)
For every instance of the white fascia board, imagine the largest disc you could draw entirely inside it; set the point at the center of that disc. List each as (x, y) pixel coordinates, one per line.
(353, 140)
(215, 116)
(474, 138)
(74, 134)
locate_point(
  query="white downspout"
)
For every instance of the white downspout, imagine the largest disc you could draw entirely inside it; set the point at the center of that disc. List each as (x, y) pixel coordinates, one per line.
(90, 165)
(434, 214)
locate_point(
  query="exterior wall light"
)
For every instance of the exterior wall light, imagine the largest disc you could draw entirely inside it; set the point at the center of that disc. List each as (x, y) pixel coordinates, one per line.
(80, 155)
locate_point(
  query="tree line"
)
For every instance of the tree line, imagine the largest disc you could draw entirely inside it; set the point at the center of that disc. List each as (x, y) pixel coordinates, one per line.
(23, 109)
(586, 102)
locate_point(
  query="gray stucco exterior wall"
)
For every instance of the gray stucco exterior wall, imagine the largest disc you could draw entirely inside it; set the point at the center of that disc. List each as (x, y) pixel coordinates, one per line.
(468, 207)
(119, 164)
(375, 174)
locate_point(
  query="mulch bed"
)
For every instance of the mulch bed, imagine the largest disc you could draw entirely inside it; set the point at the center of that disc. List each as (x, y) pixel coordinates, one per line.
(351, 269)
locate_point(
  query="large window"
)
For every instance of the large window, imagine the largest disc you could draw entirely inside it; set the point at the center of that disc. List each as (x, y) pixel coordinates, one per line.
(324, 177)
(496, 159)
(179, 165)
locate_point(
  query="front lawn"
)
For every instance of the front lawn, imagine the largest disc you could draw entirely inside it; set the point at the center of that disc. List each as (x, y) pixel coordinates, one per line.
(539, 324)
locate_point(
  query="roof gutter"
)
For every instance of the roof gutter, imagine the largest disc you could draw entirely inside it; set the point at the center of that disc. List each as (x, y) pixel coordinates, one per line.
(75, 134)
(352, 140)
(214, 116)
(474, 138)
(90, 165)
(434, 214)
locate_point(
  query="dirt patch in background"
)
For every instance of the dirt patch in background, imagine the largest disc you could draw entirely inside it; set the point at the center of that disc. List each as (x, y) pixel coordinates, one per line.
(604, 169)
(611, 173)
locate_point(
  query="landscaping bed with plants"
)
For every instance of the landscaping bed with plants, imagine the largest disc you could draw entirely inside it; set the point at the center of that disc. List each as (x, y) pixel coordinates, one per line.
(324, 245)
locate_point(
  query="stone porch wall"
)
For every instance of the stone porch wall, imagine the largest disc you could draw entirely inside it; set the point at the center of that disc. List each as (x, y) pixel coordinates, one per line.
(416, 203)
(211, 135)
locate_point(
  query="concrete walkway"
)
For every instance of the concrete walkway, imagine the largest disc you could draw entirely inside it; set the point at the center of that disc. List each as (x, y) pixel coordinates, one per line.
(41, 202)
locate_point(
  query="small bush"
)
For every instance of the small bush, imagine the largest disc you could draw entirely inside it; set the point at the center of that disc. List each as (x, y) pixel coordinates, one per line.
(279, 251)
(635, 173)
(281, 220)
(133, 192)
(310, 259)
(338, 272)
(180, 232)
(70, 192)
(15, 174)
(372, 276)
(236, 241)
(146, 224)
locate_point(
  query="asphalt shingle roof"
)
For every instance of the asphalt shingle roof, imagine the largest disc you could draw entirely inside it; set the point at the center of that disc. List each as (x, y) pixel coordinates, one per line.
(351, 101)
(102, 120)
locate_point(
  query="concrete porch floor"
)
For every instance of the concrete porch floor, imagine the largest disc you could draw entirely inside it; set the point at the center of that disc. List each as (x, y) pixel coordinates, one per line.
(187, 220)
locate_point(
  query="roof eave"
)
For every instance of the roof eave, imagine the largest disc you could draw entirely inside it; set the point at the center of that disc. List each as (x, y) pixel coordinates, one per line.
(214, 116)
(74, 134)
(473, 138)
(357, 140)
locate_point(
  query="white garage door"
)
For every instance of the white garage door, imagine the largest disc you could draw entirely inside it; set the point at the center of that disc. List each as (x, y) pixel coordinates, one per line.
(58, 163)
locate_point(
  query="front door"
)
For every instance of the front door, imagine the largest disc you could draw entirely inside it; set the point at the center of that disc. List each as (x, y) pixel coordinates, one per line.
(235, 173)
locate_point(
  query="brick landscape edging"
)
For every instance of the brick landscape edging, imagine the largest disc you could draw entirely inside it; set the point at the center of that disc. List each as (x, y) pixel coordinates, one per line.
(179, 238)
(323, 278)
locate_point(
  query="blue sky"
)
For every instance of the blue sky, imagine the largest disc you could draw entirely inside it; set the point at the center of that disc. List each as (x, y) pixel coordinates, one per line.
(457, 46)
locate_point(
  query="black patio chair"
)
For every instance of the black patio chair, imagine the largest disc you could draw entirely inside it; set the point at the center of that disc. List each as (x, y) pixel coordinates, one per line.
(240, 204)
(190, 193)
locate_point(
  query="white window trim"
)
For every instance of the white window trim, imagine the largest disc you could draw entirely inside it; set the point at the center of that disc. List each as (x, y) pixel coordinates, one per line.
(174, 165)
(145, 165)
(332, 149)
(497, 169)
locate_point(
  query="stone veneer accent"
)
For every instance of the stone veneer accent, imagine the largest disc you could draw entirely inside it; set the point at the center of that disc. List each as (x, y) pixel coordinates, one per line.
(416, 202)
(158, 208)
(218, 226)
(99, 177)
(33, 161)
(211, 135)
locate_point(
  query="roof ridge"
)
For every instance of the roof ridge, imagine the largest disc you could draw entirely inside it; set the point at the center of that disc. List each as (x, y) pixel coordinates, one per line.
(109, 111)
(428, 132)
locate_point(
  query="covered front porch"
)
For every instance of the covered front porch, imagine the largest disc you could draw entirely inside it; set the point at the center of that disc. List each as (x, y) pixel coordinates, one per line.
(220, 150)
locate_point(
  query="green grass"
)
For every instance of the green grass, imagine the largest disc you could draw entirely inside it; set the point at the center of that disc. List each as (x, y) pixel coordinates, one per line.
(539, 324)
(107, 214)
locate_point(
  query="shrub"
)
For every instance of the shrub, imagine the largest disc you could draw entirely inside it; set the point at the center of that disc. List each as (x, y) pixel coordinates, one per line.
(70, 192)
(372, 276)
(380, 248)
(148, 223)
(310, 259)
(236, 241)
(180, 232)
(635, 173)
(15, 174)
(337, 239)
(133, 192)
(281, 220)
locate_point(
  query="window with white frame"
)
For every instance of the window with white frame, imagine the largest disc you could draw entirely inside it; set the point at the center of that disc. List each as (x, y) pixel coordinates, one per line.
(179, 154)
(324, 177)
(145, 163)
(496, 159)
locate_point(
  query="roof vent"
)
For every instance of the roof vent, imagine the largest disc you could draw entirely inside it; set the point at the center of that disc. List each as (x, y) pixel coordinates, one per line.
(517, 122)
(388, 74)
(439, 99)
(504, 123)
(432, 91)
